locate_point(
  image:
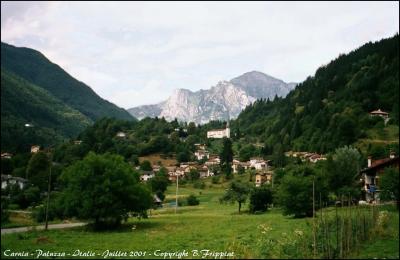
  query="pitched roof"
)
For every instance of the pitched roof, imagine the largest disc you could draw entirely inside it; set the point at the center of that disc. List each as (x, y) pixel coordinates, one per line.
(380, 164)
(379, 111)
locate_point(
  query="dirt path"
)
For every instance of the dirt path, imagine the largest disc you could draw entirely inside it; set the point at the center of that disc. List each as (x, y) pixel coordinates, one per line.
(51, 226)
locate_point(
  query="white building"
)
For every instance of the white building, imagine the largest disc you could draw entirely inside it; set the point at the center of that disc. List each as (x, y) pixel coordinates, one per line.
(237, 164)
(35, 148)
(6, 156)
(258, 164)
(121, 134)
(147, 175)
(219, 133)
(201, 154)
(11, 180)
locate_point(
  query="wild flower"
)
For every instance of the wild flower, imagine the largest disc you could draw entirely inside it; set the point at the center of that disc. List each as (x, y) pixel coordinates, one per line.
(264, 228)
(298, 233)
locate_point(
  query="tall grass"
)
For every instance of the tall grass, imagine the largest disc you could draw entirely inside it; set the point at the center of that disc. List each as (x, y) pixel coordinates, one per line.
(341, 231)
(334, 232)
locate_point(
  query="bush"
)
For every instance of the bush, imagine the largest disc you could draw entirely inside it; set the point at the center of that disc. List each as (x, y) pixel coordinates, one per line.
(295, 193)
(4, 212)
(199, 185)
(181, 203)
(192, 200)
(215, 179)
(260, 199)
(13, 207)
(182, 181)
(39, 214)
(55, 209)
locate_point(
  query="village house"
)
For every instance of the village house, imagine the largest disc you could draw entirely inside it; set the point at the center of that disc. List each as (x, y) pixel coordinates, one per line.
(6, 156)
(380, 113)
(263, 177)
(173, 173)
(77, 142)
(204, 171)
(146, 175)
(156, 168)
(236, 164)
(370, 176)
(188, 168)
(201, 154)
(306, 156)
(121, 135)
(7, 180)
(258, 164)
(35, 148)
(200, 146)
(316, 157)
(213, 160)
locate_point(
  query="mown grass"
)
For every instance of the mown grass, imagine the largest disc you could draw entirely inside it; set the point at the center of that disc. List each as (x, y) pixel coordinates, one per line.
(23, 219)
(388, 135)
(210, 225)
(18, 219)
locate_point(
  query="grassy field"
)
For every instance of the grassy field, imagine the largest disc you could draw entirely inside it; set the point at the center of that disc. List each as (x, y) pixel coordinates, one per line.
(156, 159)
(208, 226)
(19, 219)
(388, 135)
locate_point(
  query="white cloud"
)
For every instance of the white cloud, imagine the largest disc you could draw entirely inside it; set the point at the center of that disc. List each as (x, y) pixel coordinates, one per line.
(151, 92)
(137, 53)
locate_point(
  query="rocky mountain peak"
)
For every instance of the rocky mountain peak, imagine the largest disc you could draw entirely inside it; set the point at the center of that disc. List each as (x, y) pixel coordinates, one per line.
(224, 100)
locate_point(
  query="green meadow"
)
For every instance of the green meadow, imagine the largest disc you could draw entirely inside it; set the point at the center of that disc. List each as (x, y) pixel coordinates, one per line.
(209, 226)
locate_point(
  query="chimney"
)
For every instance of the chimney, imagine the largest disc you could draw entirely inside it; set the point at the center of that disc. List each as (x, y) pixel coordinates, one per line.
(369, 161)
(392, 155)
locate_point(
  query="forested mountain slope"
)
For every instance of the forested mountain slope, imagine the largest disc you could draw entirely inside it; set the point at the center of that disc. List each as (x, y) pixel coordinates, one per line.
(331, 108)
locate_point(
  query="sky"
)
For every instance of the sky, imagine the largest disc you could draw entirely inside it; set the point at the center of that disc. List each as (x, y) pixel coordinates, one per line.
(136, 53)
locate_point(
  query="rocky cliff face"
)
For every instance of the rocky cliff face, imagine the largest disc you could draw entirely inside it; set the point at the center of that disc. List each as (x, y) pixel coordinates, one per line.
(222, 101)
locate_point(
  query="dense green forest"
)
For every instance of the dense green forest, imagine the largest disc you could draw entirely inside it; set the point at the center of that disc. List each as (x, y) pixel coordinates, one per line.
(37, 69)
(330, 109)
(50, 120)
(35, 90)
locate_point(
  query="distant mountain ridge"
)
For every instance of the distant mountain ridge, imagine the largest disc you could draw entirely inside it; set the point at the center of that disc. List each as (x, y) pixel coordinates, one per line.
(222, 101)
(37, 92)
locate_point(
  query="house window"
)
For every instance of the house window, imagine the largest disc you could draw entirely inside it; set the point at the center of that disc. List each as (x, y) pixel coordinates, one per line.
(372, 181)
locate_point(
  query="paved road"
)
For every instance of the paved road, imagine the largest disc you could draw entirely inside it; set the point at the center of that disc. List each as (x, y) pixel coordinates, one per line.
(51, 226)
(20, 211)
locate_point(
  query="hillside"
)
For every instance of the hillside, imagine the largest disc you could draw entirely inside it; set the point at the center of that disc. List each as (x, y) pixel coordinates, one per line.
(34, 67)
(331, 108)
(24, 103)
(222, 101)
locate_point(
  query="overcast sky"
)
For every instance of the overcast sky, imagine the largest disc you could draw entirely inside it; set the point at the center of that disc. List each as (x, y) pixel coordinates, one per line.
(137, 53)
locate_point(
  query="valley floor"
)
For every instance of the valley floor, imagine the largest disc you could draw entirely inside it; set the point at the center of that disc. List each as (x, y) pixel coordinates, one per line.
(209, 226)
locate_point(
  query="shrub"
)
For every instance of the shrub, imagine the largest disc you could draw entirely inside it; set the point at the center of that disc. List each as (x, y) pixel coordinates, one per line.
(4, 212)
(13, 206)
(260, 199)
(192, 200)
(215, 179)
(199, 185)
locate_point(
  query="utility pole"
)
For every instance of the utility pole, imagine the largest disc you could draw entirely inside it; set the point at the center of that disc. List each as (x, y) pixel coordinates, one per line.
(314, 237)
(48, 192)
(176, 196)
